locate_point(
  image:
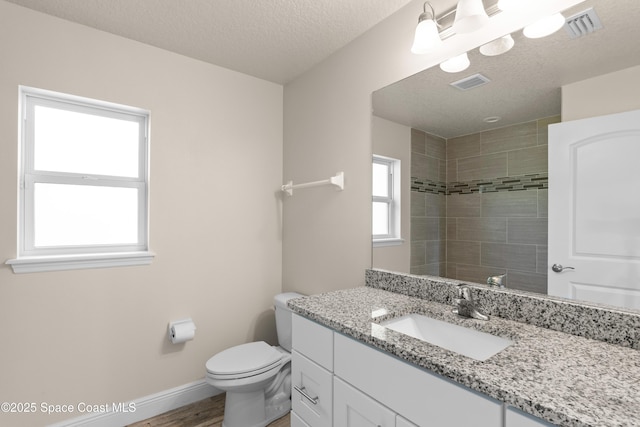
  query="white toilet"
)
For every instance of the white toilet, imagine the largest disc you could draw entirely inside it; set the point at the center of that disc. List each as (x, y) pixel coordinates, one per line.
(256, 376)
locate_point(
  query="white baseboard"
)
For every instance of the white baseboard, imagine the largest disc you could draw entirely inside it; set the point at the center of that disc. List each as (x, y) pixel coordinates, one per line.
(145, 407)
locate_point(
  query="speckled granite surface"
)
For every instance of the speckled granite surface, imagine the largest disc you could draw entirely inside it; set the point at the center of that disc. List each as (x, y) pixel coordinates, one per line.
(565, 379)
(610, 324)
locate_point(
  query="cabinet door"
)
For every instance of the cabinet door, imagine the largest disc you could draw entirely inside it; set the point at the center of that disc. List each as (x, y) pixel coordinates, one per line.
(517, 418)
(352, 408)
(312, 394)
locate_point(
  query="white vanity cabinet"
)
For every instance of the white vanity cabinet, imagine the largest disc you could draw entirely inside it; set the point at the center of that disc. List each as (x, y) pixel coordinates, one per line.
(516, 418)
(341, 382)
(311, 374)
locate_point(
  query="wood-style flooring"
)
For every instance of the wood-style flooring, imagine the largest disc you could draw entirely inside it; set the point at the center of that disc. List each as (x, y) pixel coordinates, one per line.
(205, 413)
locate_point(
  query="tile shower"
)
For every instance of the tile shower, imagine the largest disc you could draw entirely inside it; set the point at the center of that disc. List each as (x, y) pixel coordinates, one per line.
(479, 205)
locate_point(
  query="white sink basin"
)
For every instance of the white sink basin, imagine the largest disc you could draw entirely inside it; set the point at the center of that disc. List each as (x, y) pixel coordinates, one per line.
(468, 342)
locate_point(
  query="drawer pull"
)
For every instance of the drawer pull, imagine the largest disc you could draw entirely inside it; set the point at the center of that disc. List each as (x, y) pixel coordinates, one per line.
(313, 400)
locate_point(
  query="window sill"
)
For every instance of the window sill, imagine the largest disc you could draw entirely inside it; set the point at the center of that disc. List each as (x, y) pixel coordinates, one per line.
(378, 243)
(37, 264)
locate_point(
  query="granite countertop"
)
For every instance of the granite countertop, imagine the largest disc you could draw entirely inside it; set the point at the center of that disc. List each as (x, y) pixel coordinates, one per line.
(564, 379)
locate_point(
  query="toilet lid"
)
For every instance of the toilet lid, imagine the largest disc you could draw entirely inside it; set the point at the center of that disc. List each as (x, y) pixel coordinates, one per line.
(254, 356)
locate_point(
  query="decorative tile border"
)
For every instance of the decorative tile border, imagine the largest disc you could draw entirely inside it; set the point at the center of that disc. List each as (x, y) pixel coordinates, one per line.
(537, 181)
(422, 185)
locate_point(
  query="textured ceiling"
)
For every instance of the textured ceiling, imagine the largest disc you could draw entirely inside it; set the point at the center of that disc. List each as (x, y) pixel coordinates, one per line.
(275, 40)
(525, 82)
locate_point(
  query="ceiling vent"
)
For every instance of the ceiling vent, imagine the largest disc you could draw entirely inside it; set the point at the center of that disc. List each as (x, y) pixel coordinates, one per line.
(470, 82)
(583, 23)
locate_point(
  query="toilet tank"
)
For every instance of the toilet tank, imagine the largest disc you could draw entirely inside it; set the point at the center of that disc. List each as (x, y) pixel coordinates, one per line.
(284, 317)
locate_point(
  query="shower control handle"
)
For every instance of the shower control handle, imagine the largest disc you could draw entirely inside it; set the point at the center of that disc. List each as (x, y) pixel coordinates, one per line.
(558, 268)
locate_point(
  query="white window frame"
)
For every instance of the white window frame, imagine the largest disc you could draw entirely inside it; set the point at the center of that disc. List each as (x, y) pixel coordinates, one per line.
(393, 202)
(33, 259)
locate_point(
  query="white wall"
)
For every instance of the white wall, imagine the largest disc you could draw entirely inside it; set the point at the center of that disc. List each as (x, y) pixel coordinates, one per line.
(327, 238)
(607, 94)
(394, 140)
(99, 336)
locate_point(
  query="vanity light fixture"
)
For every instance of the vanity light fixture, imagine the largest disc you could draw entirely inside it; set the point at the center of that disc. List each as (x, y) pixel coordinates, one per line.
(456, 64)
(470, 16)
(427, 37)
(544, 27)
(498, 46)
(506, 5)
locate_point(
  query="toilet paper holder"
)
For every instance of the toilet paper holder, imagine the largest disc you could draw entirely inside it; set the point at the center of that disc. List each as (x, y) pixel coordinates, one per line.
(182, 330)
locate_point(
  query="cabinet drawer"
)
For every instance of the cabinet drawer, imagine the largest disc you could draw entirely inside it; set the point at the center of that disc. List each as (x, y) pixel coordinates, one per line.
(421, 397)
(296, 421)
(352, 408)
(308, 378)
(314, 341)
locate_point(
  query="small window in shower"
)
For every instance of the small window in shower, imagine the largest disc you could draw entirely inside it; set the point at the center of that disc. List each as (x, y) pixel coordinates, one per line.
(386, 201)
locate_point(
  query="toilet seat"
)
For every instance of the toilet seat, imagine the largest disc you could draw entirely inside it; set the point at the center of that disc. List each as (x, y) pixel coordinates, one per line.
(245, 360)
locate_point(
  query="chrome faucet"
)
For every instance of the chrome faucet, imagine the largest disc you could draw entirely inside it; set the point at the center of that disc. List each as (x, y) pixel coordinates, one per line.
(466, 306)
(496, 280)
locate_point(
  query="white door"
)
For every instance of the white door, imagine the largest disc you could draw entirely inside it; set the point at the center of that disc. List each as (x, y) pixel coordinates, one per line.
(594, 209)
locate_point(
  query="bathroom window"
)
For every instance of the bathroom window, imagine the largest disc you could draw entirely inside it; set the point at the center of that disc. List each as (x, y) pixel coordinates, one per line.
(386, 201)
(83, 183)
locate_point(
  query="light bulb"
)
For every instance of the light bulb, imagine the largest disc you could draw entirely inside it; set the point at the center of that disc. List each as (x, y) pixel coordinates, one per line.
(498, 46)
(456, 64)
(544, 27)
(470, 16)
(427, 37)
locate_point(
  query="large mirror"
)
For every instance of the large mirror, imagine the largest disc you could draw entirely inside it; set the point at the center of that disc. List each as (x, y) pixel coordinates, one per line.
(474, 162)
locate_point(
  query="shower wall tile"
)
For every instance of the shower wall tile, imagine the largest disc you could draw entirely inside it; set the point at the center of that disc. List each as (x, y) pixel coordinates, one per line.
(525, 281)
(482, 167)
(516, 257)
(483, 209)
(436, 147)
(531, 160)
(418, 204)
(435, 251)
(428, 228)
(418, 253)
(509, 138)
(463, 205)
(425, 167)
(542, 260)
(510, 132)
(443, 171)
(462, 252)
(482, 229)
(530, 231)
(452, 229)
(463, 146)
(435, 205)
(510, 204)
(543, 203)
(543, 128)
(452, 171)
(514, 143)
(418, 139)
(476, 273)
